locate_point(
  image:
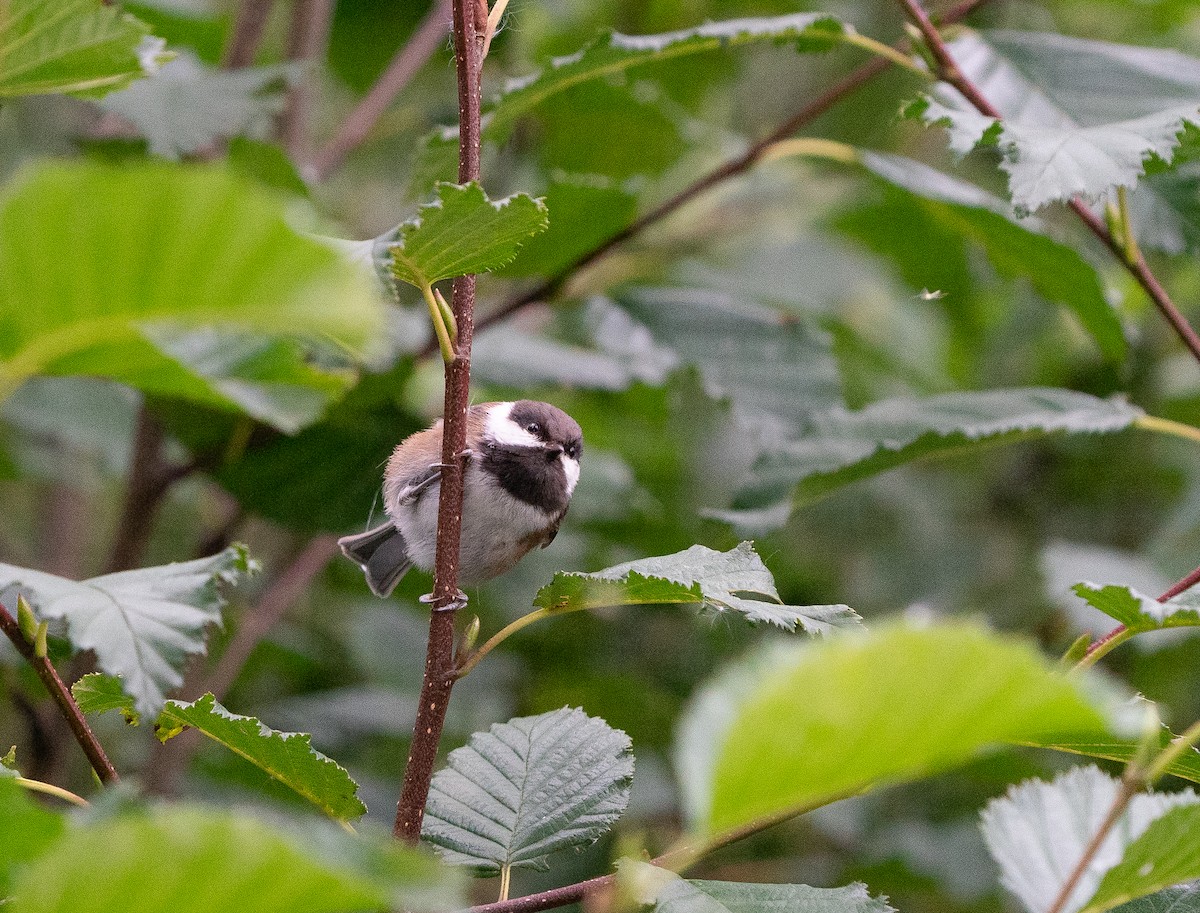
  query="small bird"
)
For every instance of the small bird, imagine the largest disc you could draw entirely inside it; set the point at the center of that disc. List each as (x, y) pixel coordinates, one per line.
(522, 466)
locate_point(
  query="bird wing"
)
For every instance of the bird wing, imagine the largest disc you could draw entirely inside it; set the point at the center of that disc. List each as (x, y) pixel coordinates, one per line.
(418, 483)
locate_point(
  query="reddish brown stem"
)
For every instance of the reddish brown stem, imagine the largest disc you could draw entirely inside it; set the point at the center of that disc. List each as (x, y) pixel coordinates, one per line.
(1125, 794)
(446, 599)
(1174, 590)
(62, 697)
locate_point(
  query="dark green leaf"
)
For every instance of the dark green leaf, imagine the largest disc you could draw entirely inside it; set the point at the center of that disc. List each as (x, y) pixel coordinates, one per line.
(100, 693)
(1139, 612)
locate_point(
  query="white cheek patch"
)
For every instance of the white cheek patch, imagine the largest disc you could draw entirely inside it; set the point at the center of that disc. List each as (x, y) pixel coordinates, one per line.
(503, 430)
(571, 468)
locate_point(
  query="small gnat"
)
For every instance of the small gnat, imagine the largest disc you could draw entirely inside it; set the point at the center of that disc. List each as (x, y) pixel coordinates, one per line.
(926, 295)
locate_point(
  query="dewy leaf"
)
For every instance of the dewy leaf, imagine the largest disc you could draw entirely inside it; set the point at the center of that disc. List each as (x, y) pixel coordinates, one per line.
(463, 232)
(838, 447)
(736, 580)
(1166, 854)
(285, 756)
(143, 624)
(527, 788)
(77, 47)
(666, 892)
(1075, 131)
(107, 270)
(1038, 831)
(1139, 612)
(100, 693)
(849, 713)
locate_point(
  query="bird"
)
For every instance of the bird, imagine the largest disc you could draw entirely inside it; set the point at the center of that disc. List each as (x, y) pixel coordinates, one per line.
(522, 465)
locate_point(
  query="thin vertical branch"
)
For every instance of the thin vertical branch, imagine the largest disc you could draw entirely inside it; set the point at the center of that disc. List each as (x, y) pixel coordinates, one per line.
(66, 703)
(248, 28)
(308, 36)
(407, 61)
(143, 494)
(469, 34)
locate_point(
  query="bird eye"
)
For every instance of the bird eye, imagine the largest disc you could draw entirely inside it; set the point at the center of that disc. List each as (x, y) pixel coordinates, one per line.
(573, 451)
(533, 428)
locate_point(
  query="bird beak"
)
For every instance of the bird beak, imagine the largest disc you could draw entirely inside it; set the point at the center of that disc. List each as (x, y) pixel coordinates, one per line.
(554, 450)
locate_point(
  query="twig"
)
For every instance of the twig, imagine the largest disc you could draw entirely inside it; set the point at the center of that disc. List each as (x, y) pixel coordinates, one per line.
(1121, 633)
(247, 34)
(307, 38)
(1128, 789)
(407, 61)
(469, 32)
(1129, 257)
(62, 696)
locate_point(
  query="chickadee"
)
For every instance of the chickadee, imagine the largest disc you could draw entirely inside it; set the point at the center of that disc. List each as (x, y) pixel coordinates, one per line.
(522, 466)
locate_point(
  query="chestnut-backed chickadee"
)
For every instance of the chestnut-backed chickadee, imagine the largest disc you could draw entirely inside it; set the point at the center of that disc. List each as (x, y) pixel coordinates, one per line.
(522, 466)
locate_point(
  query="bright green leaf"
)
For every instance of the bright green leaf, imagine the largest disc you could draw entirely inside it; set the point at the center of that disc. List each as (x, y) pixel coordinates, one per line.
(527, 788)
(1139, 612)
(100, 693)
(76, 47)
(26, 829)
(733, 581)
(285, 756)
(143, 624)
(1166, 854)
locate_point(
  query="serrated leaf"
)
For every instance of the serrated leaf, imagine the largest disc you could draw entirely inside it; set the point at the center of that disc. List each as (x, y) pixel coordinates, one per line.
(75, 47)
(157, 254)
(1070, 132)
(100, 693)
(463, 232)
(736, 580)
(1139, 612)
(143, 624)
(666, 892)
(287, 757)
(26, 829)
(1038, 832)
(1166, 854)
(839, 447)
(886, 706)
(527, 788)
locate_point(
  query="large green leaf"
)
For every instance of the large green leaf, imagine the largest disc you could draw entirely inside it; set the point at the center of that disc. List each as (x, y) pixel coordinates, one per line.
(285, 756)
(112, 271)
(835, 717)
(527, 788)
(1069, 131)
(142, 625)
(78, 47)
(733, 581)
(463, 232)
(1038, 831)
(26, 829)
(838, 447)
(1166, 854)
(1139, 612)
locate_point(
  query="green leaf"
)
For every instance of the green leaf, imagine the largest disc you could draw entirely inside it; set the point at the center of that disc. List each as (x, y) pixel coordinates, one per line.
(1038, 831)
(1079, 131)
(155, 253)
(285, 756)
(1166, 854)
(668, 893)
(142, 625)
(26, 830)
(839, 447)
(100, 693)
(1139, 612)
(733, 581)
(185, 106)
(890, 705)
(1183, 899)
(76, 47)
(527, 788)
(463, 232)
(1186, 767)
(1016, 249)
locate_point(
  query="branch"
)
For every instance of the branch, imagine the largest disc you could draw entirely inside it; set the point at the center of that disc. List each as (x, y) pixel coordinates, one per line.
(407, 61)
(1128, 789)
(66, 703)
(1120, 633)
(470, 30)
(1130, 258)
(247, 34)
(307, 37)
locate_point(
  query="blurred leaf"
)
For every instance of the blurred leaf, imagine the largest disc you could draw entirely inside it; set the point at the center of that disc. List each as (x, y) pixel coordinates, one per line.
(77, 47)
(144, 624)
(1066, 132)
(185, 106)
(463, 232)
(1166, 854)
(887, 706)
(1183, 899)
(1038, 832)
(156, 250)
(100, 693)
(527, 788)
(662, 889)
(1016, 249)
(285, 756)
(839, 447)
(732, 581)
(1139, 612)
(26, 830)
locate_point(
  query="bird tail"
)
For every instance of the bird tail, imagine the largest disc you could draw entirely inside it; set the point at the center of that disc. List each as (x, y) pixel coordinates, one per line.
(382, 554)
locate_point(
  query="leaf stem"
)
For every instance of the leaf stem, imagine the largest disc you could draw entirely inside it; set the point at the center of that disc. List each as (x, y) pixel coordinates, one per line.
(1167, 426)
(1126, 791)
(1173, 752)
(1132, 252)
(886, 51)
(505, 879)
(439, 323)
(62, 697)
(473, 658)
(50, 789)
